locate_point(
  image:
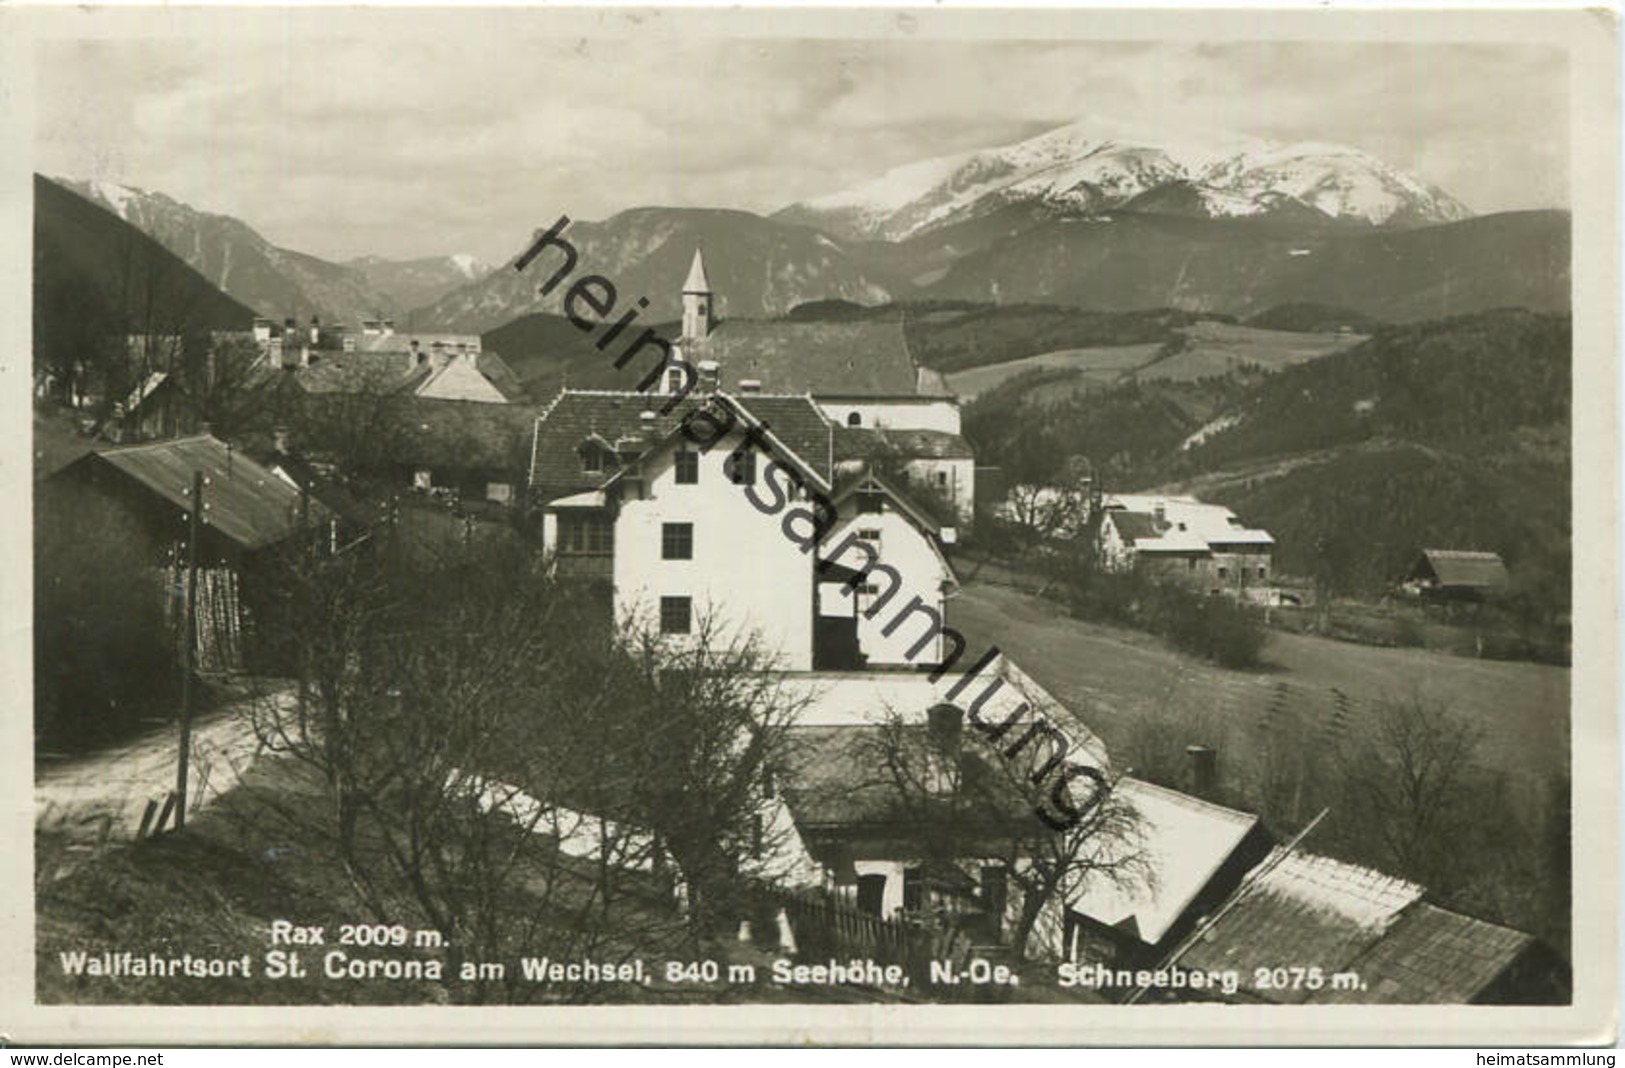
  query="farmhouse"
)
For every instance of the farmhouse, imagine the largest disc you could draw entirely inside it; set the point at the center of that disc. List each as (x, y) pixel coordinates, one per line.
(1183, 539)
(1455, 574)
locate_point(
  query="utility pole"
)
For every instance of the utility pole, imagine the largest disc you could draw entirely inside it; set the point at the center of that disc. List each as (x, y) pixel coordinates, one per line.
(189, 658)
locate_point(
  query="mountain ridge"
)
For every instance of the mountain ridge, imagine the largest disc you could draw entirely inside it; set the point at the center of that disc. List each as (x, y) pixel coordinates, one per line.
(1096, 164)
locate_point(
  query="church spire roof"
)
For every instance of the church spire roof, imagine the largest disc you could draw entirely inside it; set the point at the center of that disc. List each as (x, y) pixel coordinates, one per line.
(697, 282)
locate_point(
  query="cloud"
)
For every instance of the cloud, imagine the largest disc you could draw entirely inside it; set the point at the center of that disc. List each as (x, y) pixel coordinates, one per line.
(416, 143)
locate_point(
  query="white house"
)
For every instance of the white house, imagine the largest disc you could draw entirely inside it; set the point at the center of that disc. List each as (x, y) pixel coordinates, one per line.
(1205, 545)
(730, 508)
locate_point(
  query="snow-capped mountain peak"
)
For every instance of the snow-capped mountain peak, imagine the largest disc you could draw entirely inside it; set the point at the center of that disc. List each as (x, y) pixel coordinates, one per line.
(1098, 163)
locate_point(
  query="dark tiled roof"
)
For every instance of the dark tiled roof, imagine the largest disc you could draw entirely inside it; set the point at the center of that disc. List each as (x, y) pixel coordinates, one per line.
(869, 357)
(797, 423)
(575, 416)
(860, 443)
(1434, 956)
(1459, 568)
(1133, 526)
(1305, 910)
(246, 502)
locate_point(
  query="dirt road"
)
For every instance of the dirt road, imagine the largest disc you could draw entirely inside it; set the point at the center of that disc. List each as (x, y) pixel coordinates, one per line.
(102, 796)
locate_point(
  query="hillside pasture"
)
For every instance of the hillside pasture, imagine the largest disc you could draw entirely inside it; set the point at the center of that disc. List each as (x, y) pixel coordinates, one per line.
(1214, 348)
(1093, 367)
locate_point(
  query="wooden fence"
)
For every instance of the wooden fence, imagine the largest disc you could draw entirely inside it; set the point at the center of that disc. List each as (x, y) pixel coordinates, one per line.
(826, 927)
(219, 617)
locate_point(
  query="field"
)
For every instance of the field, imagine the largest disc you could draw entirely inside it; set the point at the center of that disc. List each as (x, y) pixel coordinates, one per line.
(1111, 676)
(1219, 348)
(1212, 348)
(1096, 366)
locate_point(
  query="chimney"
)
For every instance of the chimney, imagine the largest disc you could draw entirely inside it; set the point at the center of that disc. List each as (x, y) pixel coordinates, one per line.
(710, 375)
(1162, 513)
(1204, 770)
(279, 440)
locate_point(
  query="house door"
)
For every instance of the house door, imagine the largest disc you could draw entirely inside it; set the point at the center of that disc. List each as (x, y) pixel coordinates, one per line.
(871, 894)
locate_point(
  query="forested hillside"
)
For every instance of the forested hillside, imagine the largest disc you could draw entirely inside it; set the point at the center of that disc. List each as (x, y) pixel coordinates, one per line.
(1449, 434)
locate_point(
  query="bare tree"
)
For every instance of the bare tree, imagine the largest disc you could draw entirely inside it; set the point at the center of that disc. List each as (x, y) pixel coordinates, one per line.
(701, 728)
(991, 801)
(450, 717)
(1410, 789)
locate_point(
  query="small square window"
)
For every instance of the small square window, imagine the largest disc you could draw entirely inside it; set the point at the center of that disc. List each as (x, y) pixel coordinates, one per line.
(741, 467)
(1263, 572)
(688, 467)
(677, 541)
(868, 534)
(1224, 572)
(676, 615)
(942, 478)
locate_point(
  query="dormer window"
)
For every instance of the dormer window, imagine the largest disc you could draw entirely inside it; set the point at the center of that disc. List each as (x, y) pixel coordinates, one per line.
(854, 419)
(593, 459)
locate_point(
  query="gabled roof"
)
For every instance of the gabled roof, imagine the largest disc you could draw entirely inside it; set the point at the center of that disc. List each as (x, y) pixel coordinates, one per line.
(1184, 843)
(246, 502)
(1305, 908)
(1460, 568)
(863, 442)
(868, 357)
(868, 481)
(1434, 956)
(577, 415)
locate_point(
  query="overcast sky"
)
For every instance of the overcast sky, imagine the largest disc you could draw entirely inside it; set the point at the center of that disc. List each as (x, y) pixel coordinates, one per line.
(341, 146)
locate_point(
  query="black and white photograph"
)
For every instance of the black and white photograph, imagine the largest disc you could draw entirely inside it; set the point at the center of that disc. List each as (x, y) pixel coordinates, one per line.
(1057, 523)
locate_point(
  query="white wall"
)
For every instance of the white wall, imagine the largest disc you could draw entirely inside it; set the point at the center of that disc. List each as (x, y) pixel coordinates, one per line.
(904, 547)
(958, 484)
(934, 413)
(745, 571)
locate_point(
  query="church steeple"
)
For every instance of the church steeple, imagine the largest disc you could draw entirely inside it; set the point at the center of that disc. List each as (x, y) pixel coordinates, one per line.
(696, 301)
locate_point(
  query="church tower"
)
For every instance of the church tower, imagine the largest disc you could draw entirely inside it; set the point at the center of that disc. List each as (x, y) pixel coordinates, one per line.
(696, 301)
